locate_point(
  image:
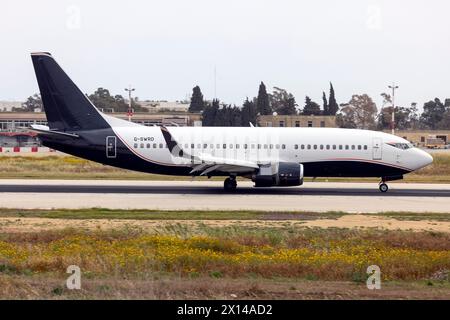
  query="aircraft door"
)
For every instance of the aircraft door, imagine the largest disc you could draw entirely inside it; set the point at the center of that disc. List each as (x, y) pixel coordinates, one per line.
(111, 147)
(398, 156)
(377, 149)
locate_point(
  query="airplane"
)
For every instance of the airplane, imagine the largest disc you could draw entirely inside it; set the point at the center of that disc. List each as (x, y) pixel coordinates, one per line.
(269, 156)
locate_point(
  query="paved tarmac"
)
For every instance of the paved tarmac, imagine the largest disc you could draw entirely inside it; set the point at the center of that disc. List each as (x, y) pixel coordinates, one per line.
(201, 195)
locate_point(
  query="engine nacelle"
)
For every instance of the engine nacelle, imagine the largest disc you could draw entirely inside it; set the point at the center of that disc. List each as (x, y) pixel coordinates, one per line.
(282, 174)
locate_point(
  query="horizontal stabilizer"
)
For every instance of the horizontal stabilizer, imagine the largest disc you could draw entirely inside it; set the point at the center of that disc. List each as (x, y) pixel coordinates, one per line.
(44, 130)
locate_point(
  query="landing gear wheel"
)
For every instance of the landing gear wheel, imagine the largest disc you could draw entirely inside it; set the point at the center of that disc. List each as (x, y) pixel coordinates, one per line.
(230, 184)
(384, 187)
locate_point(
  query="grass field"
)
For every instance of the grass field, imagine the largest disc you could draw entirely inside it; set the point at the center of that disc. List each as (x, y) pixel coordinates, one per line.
(67, 167)
(280, 259)
(110, 214)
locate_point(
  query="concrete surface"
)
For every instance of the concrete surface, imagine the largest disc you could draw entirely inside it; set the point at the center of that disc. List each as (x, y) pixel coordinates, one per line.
(196, 195)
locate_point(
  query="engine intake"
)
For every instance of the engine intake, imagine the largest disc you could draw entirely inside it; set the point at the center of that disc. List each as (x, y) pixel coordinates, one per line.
(281, 174)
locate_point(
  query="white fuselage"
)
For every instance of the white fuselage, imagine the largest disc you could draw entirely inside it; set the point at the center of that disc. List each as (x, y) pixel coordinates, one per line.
(267, 144)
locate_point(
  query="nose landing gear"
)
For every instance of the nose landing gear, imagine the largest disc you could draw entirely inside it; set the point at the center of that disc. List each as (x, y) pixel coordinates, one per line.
(383, 186)
(230, 184)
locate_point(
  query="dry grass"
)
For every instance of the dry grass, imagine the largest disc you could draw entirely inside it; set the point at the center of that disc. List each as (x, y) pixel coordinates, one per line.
(62, 167)
(172, 287)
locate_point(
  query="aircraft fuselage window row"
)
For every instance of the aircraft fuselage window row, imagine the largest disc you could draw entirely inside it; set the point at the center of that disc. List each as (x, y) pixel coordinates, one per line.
(258, 146)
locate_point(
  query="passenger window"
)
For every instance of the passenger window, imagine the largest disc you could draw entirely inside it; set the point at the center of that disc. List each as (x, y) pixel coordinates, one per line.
(217, 146)
(192, 146)
(296, 147)
(353, 147)
(155, 146)
(161, 146)
(359, 147)
(205, 146)
(253, 146)
(303, 146)
(328, 147)
(315, 147)
(340, 147)
(245, 146)
(321, 147)
(224, 146)
(237, 146)
(365, 147)
(334, 147)
(142, 145)
(231, 146)
(148, 145)
(283, 146)
(265, 146)
(277, 146)
(135, 145)
(186, 146)
(199, 146)
(309, 147)
(346, 147)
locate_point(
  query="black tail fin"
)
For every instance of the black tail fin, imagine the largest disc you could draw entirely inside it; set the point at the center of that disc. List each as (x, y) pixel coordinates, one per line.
(66, 107)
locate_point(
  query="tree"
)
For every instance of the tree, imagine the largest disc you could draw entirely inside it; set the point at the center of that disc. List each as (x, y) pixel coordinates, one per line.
(262, 102)
(358, 113)
(445, 121)
(403, 118)
(326, 110)
(102, 99)
(283, 102)
(32, 104)
(210, 114)
(197, 102)
(414, 116)
(333, 106)
(235, 116)
(311, 107)
(248, 113)
(433, 112)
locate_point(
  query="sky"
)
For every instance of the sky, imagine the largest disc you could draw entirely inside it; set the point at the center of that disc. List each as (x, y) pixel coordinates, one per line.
(227, 47)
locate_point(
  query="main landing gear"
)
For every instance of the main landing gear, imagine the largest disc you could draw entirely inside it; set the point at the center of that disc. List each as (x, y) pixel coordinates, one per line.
(383, 187)
(230, 184)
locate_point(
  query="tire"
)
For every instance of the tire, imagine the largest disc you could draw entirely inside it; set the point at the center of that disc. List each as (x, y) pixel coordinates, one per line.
(229, 185)
(384, 187)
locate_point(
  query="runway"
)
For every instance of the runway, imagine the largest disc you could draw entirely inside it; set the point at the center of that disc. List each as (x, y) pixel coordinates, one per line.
(201, 195)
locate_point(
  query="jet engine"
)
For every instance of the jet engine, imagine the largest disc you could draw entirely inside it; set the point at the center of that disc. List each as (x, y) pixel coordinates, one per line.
(281, 174)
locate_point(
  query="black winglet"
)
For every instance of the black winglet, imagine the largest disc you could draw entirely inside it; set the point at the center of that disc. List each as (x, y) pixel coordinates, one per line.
(172, 144)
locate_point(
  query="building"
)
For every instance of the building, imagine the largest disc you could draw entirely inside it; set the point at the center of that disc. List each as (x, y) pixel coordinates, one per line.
(19, 139)
(14, 125)
(165, 106)
(7, 106)
(419, 137)
(297, 121)
(16, 121)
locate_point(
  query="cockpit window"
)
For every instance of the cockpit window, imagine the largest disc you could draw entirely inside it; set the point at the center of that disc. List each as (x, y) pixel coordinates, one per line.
(403, 146)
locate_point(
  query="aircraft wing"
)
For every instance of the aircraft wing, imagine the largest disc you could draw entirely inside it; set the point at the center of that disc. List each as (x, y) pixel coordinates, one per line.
(204, 164)
(210, 164)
